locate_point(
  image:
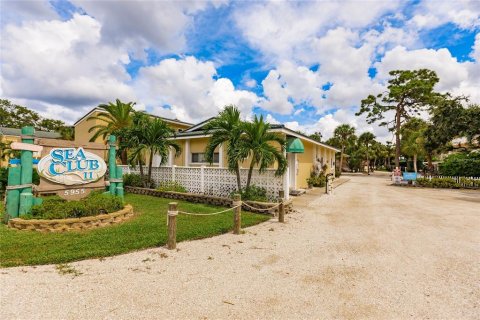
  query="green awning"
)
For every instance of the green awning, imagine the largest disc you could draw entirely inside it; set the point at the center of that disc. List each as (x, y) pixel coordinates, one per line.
(295, 145)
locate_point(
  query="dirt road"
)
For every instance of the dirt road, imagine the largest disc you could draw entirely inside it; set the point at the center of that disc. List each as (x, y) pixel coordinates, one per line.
(368, 251)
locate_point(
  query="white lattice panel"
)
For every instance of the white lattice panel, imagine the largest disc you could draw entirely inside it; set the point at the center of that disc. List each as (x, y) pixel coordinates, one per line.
(190, 178)
(219, 182)
(216, 181)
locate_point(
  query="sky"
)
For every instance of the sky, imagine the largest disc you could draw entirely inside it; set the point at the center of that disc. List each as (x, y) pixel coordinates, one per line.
(304, 64)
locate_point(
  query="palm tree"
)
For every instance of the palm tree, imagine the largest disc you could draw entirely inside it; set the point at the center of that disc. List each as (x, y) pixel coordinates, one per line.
(226, 130)
(413, 139)
(132, 139)
(343, 134)
(116, 117)
(154, 138)
(256, 143)
(367, 139)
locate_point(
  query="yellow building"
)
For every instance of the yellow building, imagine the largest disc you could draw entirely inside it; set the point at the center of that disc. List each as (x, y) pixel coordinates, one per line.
(9, 135)
(300, 162)
(310, 154)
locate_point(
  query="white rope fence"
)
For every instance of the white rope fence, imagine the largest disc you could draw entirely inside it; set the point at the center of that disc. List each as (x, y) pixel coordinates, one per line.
(261, 209)
(207, 214)
(237, 217)
(215, 213)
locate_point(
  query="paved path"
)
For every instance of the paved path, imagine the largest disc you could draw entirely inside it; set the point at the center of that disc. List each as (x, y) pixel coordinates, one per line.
(368, 251)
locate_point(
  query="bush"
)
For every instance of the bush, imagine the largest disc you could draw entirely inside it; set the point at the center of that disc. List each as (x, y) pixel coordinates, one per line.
(316, 180)
(461, 164)
(337, 173)
(253, 193)
(171, 186)
(3, 180)
(58, 208)
(469, 183)
(438, 183)
(135, 180)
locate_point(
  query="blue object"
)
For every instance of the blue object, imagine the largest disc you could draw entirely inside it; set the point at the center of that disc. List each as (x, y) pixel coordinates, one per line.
(412, 176)
(17, 161)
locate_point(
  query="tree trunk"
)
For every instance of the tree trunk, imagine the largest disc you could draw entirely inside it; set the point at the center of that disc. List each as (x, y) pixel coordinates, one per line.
(150, 162)
(239, 181)
(430, 164)
(250, 170)
(368, 162)
(397, 137)
(341, 161)
(415, 162)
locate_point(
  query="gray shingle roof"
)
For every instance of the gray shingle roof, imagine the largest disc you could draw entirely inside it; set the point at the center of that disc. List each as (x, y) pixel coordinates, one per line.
(39, 134)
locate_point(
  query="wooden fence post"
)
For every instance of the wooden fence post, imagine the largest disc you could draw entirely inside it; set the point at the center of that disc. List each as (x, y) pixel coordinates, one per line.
(237, 216)
(172, 226)
(281, 207)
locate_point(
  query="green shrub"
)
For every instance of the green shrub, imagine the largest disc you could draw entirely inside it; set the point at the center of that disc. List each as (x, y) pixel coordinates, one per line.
(337, 173)
(3, 180)
(438, 183)
(461, 164)
(253, 193)
(171, 186)
(135, 180)
(58, 208)
(469, 183)
(316, 181)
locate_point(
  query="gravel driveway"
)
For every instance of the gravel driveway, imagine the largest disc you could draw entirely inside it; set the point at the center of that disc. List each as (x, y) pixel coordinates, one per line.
(368, 251)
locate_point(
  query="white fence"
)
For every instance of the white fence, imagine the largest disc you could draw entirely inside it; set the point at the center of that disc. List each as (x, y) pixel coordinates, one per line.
(456, 178)
(213, 181)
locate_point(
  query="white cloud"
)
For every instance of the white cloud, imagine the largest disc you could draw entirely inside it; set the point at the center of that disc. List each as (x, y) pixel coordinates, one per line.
(189, 87)
(136, 25)
(14, 12)
(285, 30)
(62, 63)
(463, 13)
(455, 77)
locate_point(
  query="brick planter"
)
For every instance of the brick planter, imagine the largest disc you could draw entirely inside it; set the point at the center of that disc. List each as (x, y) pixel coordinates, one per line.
(72, 224)
(212, 200)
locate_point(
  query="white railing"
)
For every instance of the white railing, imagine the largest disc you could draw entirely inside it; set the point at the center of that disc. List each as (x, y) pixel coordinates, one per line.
(212, 181)
(458, 179)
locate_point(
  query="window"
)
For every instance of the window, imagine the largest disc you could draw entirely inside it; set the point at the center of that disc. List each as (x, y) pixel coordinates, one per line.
(200, 158)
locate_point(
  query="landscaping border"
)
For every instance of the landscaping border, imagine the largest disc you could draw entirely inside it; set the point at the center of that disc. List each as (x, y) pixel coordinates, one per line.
(404, 185)
(211, 200)
(72, 224)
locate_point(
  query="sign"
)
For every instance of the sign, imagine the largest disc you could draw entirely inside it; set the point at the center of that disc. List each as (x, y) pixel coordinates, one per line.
(410, 176)
(71, 169)
(71, 166)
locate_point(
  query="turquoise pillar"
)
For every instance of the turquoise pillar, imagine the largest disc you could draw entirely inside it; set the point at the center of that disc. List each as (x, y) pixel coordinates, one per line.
(13, 195)
(112, 164)
(26, 159)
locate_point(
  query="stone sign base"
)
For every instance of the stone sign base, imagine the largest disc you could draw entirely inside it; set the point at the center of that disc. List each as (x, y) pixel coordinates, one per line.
(72, 224)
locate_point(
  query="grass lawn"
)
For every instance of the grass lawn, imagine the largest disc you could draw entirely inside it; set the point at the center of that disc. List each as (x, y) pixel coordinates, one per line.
(147, 229)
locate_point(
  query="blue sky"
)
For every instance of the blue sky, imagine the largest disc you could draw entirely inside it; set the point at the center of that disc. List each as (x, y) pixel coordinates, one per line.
(306, 64)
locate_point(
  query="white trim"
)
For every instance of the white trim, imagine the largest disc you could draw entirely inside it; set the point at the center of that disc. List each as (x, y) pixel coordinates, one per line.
(199, 125)
(187, 152)
(220, 156)
(190, 137)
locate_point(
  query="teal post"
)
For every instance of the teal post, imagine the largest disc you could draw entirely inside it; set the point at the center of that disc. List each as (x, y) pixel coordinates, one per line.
(112, 164)
(120, 182)
(13, 196)
(26, 159)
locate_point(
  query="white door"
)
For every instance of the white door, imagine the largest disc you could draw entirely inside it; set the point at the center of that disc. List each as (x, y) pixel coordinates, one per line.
(292, 168)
